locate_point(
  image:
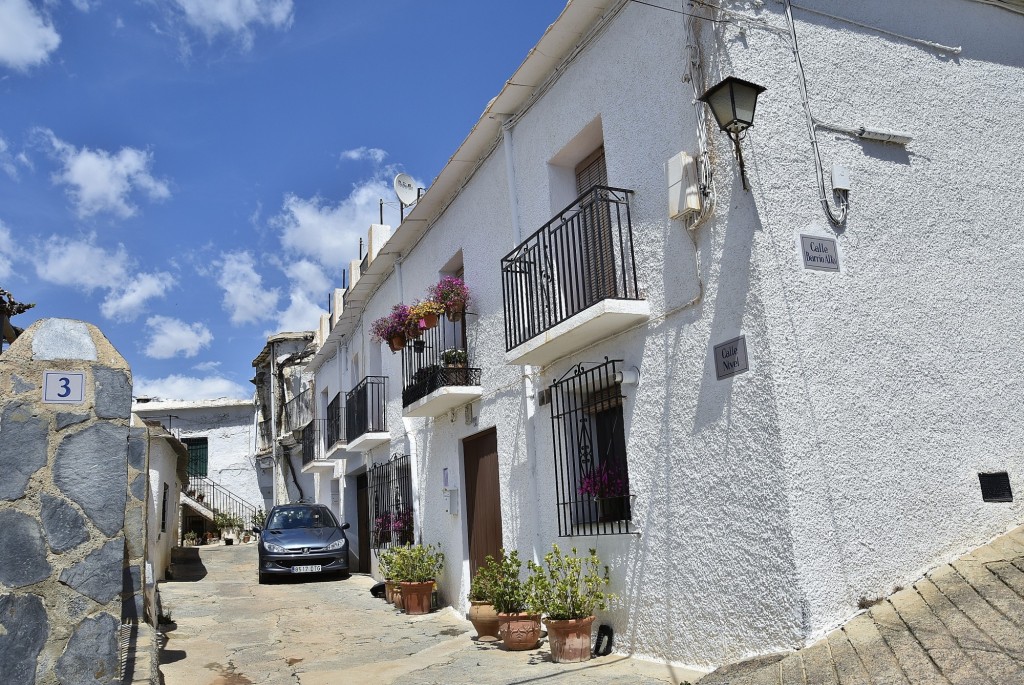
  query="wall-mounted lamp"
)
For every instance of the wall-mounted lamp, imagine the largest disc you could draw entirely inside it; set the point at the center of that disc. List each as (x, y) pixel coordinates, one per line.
(733, 102)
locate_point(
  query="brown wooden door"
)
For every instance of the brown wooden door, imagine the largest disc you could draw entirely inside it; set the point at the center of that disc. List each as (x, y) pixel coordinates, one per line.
(363, 505)
(483, 497)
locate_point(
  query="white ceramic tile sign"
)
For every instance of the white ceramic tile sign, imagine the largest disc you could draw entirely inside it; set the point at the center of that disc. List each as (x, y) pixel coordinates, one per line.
(819, 253)
(63, 387)
(731, 358)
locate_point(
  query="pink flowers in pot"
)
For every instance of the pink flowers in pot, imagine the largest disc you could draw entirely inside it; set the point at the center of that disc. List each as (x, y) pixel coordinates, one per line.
(393, 328)
(604, 481)
(452, 293)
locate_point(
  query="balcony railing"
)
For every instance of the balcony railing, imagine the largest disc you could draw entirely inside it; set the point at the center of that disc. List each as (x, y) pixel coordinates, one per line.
(298, 411)
(335, 422)
(313, 446)
(365, 410)
(438, 358)
(580, 257)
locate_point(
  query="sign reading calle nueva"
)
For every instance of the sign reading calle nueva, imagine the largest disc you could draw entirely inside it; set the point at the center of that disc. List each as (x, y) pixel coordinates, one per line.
(731, 358)
(819, 253)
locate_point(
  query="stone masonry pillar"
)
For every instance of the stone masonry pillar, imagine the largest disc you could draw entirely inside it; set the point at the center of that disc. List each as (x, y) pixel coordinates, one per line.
(69, 573)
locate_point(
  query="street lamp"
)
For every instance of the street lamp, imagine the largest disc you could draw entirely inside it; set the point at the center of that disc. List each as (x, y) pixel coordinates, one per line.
(733, 102)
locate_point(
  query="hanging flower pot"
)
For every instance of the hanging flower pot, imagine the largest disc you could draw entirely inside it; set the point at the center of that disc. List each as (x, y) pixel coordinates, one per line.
(453, 295)
(429, 321)
(396, 342)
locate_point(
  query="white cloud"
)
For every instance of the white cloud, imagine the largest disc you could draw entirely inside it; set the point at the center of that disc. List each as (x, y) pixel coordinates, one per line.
(245, 298)
(330, 234)
(7, 161)
(127, 302)
(206, 366)
(236, 17)
(26, 36)
(361, 153)
(7, 252)
(81, 263)
(302, 314)
(99, 181)
(170, 337)
(308, 277)
(177, 387)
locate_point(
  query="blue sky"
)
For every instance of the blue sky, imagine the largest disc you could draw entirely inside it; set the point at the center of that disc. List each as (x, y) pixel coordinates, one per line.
(192, 175)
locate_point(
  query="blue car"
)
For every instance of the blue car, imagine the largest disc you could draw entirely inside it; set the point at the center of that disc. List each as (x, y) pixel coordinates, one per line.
(302, 538)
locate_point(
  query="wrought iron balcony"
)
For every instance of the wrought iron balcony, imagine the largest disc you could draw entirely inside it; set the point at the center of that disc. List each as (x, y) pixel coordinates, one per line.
(580, 258)
(436, 370)
(335, 423)
(366, 414)
(314, 447)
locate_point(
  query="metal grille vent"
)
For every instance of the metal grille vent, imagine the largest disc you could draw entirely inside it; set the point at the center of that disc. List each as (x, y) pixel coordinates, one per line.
(995, 487)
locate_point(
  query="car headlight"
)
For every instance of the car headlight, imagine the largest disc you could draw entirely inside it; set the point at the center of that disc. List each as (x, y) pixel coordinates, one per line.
(337, 544)
(276, 549)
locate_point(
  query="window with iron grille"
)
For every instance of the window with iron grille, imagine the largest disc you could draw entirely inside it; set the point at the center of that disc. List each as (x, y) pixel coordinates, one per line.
(197, 455)
(390, 499)
(591, 470)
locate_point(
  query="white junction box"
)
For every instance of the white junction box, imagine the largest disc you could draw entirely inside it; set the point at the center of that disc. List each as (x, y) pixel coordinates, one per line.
(683, 186)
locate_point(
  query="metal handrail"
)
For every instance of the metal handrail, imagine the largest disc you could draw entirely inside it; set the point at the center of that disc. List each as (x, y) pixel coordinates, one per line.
(365, 407)
(220, 500)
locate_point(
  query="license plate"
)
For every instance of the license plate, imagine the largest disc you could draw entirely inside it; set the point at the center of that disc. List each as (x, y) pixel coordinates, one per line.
(306, 569)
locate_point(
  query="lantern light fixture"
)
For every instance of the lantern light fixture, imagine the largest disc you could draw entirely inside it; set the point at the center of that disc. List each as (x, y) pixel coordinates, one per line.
(732, 102)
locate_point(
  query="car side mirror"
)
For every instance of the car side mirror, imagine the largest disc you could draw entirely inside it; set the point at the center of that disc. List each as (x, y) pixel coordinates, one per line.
(345, 526)
(256, 530)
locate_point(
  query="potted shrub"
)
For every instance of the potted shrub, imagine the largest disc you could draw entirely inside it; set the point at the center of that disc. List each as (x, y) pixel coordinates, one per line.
(453, 295)
(514, 601)
(481, 599)
(570, 589)
(191, 538)
(424, 314)
(455, 358)
(392, 329)
(386, 564)
(259, 520)
(416, 568)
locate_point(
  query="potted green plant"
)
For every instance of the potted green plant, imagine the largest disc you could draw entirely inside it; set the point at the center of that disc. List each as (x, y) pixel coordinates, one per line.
(481, 600)
(416, 568)
(392, 329)
(191, 538)
(515, 603)
(453, 295)
(259, 520)
(455, 358)
(570, 588)
(386, 566)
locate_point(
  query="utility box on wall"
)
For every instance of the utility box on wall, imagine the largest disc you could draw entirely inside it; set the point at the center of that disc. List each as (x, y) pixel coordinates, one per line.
(451, 500)
(683, 186)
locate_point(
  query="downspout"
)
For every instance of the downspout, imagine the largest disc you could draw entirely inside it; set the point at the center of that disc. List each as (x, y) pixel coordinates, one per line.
(529, 392)
(273, 410)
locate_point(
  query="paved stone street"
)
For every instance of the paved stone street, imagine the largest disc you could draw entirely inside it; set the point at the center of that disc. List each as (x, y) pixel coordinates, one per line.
(228, 630)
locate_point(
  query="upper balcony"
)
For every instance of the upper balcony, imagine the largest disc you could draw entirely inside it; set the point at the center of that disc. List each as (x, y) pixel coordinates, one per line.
(366, 414)
(314, 448)
(573, 281)
(436, 370)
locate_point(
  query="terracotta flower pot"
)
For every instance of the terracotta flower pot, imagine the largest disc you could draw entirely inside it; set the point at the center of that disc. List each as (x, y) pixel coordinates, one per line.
(396, 342)
(485, 619)
(416, 597)
(570, 639)
(390, 590)
(519, 631)
(428, 321)
(454, 315)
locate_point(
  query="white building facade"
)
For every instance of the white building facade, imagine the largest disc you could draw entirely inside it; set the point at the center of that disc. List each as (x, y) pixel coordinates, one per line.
(777, 440)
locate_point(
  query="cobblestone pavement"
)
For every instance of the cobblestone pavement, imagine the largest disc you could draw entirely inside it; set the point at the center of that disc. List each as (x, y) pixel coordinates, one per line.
(962, 624)
(229, 630)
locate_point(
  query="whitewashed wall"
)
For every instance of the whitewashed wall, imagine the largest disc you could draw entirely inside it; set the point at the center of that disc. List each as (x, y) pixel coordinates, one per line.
(163, 462)
(844, 462)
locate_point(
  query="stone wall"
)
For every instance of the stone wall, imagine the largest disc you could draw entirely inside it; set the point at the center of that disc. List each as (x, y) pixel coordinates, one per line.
(72, 516)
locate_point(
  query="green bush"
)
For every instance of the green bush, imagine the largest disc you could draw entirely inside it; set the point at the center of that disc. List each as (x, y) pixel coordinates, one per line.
(511, 595)
(417, 563)
(571, 586)
(484, 583)
(225, 521)
(386, 559)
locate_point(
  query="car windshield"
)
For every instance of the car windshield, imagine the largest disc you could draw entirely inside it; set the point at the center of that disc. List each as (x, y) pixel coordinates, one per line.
(287, 518)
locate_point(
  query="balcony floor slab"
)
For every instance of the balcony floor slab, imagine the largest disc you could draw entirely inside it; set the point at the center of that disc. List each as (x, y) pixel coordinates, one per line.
(443, 400)
(367, 441)
(319, 466)
(601, 320)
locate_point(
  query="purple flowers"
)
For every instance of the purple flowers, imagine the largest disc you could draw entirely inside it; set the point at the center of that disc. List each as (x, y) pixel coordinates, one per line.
(452, 293)
(394, 324)
(604, 481)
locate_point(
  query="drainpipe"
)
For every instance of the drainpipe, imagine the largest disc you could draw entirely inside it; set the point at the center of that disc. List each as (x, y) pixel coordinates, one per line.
(528, 394)
(273, 416)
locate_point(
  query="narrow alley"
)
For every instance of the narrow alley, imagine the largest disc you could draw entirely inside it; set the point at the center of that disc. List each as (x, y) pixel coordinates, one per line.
(226, 629)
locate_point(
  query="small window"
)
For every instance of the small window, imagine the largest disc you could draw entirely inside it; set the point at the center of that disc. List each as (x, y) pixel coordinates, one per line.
(198, 455)
(995, 487)
(591, 469)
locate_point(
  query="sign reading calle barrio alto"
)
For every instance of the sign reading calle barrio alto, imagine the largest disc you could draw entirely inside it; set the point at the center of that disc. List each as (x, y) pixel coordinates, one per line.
(819, 252)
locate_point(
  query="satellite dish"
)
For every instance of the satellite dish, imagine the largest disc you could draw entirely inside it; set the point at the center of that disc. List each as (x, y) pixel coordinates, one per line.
(405, 189)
